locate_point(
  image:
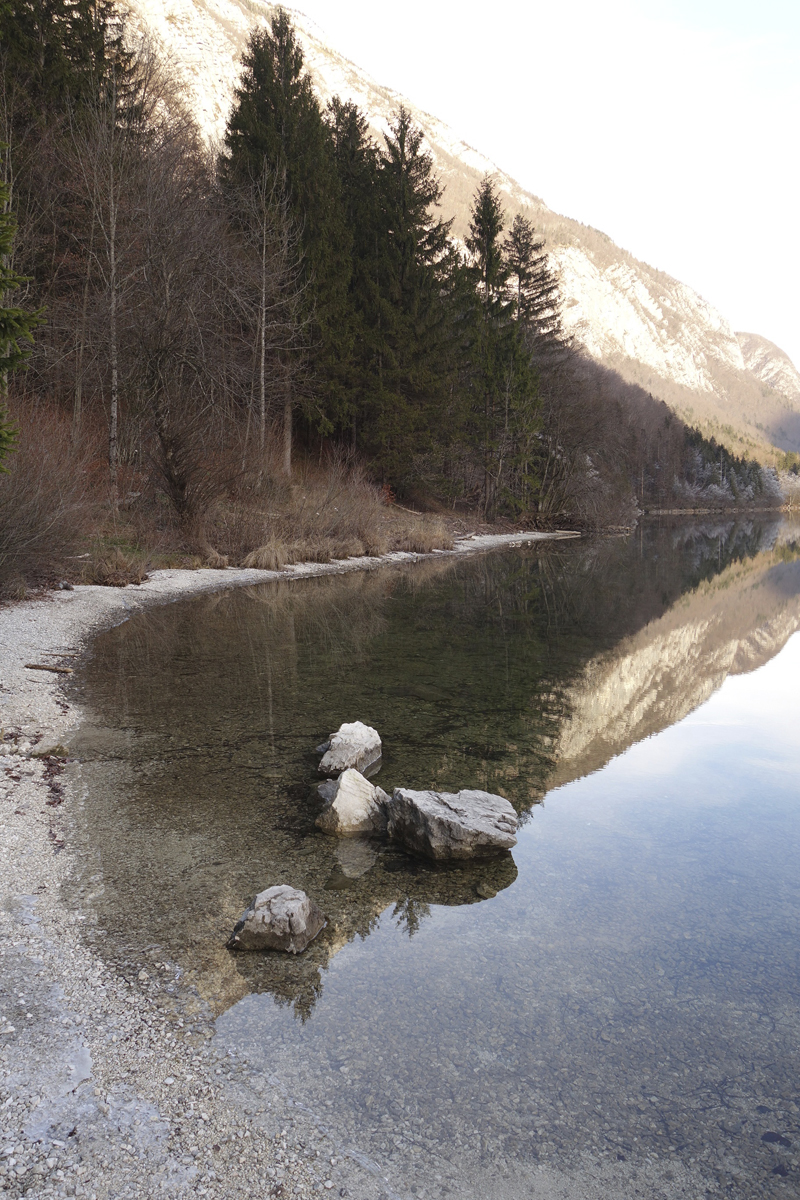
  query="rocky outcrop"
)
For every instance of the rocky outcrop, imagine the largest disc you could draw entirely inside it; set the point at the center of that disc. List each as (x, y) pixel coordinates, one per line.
(770, 365)
(447, 825)
(280, 918)
(354, 805)
(353, 745)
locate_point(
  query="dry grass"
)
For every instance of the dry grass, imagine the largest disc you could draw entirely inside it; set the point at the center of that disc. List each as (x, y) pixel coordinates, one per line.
(330, 511)
(114, 567)
(423, 536)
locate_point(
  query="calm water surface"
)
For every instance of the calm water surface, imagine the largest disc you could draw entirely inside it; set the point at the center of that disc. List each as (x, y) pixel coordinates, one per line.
(625, 988)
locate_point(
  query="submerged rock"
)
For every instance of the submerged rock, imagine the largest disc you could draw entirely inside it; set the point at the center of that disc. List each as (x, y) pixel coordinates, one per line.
(280, 918)
(354, 805)
(447, 825)
(353, 745)
(356, 857)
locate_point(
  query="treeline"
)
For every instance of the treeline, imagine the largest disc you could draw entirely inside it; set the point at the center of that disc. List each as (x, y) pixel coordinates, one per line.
(301, 290)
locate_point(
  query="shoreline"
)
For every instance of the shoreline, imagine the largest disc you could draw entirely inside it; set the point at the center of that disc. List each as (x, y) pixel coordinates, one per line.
(64, 621)
(112, 1086)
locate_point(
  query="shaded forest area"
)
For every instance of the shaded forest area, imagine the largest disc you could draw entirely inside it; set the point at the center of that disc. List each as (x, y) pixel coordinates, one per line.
(249, 356)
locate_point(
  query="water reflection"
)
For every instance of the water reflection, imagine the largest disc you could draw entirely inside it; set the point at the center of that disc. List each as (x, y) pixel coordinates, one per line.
(621, 995)
(513, 672)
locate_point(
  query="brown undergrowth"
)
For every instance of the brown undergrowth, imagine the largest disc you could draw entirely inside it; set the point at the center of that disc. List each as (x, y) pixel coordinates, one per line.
(59, 521)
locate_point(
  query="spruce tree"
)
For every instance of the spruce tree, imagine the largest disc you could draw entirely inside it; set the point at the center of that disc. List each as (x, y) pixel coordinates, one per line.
(506, 412)
(16, 323)
(537, 299)
(357, 164)
(276, 125)
(55, 54)
(487, 220)
(414, 268)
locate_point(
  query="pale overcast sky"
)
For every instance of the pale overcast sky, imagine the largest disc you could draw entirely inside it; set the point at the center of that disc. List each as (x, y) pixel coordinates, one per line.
(672, 125)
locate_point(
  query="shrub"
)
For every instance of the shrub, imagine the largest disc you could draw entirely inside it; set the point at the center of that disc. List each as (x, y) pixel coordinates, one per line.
(45, 510)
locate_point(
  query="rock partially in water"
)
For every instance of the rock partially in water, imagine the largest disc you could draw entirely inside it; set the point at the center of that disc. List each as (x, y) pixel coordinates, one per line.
(447, 825)
(353, 745)
(280, 918)
(354, 805)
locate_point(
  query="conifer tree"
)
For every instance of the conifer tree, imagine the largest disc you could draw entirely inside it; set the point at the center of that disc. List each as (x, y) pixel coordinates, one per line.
(507, 410)
(56, 53)
(357, 165)
(414, 271)
(537, 299)
(486, 224)
(16, 323)
(276, 124)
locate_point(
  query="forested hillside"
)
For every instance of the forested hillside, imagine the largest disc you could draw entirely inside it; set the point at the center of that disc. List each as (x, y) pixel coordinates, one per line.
(221, 347)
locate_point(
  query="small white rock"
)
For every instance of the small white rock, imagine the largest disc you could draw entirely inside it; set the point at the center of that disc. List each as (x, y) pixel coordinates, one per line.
(280, 918)
(353, 745)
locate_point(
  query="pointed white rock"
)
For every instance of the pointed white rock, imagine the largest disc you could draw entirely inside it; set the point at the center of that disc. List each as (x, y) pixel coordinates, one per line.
(353, 745)
(355, 806)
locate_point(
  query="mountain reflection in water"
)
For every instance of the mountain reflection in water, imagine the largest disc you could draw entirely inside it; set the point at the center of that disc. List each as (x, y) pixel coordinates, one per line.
(514, 672)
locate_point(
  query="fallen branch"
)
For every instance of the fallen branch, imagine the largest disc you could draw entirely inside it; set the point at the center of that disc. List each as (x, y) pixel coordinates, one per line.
(46, 667)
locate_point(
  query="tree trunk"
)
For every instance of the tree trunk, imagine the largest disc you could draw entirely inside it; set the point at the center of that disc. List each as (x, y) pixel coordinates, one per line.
(113, 422)
(287, 439)
(77, 408)
(262, 399)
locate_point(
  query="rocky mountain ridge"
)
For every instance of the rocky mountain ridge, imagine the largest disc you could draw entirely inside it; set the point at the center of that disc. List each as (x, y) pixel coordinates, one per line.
(653, 329)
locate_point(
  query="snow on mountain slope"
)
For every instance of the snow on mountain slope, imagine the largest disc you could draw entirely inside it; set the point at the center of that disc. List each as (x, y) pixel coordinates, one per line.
(654, 330)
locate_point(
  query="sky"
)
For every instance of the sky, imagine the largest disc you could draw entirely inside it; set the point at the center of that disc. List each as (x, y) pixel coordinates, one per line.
(671, 125)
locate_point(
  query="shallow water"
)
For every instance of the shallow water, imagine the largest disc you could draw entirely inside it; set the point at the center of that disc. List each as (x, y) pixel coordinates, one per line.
(625, 985)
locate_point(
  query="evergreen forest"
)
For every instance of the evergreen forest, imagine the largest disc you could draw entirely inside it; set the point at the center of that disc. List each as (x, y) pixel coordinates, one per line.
(251, 354)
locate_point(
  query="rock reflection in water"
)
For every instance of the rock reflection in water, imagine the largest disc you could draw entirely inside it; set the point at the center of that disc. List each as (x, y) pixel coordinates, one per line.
(354, 903)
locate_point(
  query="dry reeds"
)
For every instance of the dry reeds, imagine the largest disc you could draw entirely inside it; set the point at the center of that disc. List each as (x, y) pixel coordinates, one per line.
(116, 567)
(423, 536)
(327, 513)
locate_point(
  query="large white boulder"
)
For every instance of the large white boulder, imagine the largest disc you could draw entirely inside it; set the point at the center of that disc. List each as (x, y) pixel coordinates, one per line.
(353, 745)
(442, 825)
(280, 918)
(354, 805)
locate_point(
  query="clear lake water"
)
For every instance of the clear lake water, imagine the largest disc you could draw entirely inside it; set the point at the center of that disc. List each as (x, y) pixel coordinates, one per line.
(624, 987)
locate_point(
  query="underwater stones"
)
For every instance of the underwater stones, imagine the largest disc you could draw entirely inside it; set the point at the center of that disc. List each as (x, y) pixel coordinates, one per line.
(446, 825)
(354, 805)
(353, 745)
(280, 918)
(356, 857)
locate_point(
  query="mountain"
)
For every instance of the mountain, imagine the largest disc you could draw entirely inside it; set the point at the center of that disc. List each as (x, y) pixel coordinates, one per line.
(652, 329)
(771, 365)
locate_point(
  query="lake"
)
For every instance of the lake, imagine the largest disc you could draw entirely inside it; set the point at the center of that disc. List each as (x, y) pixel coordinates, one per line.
(620, 996)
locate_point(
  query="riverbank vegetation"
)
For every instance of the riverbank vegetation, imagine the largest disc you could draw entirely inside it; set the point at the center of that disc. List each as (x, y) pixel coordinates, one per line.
(251, 355)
